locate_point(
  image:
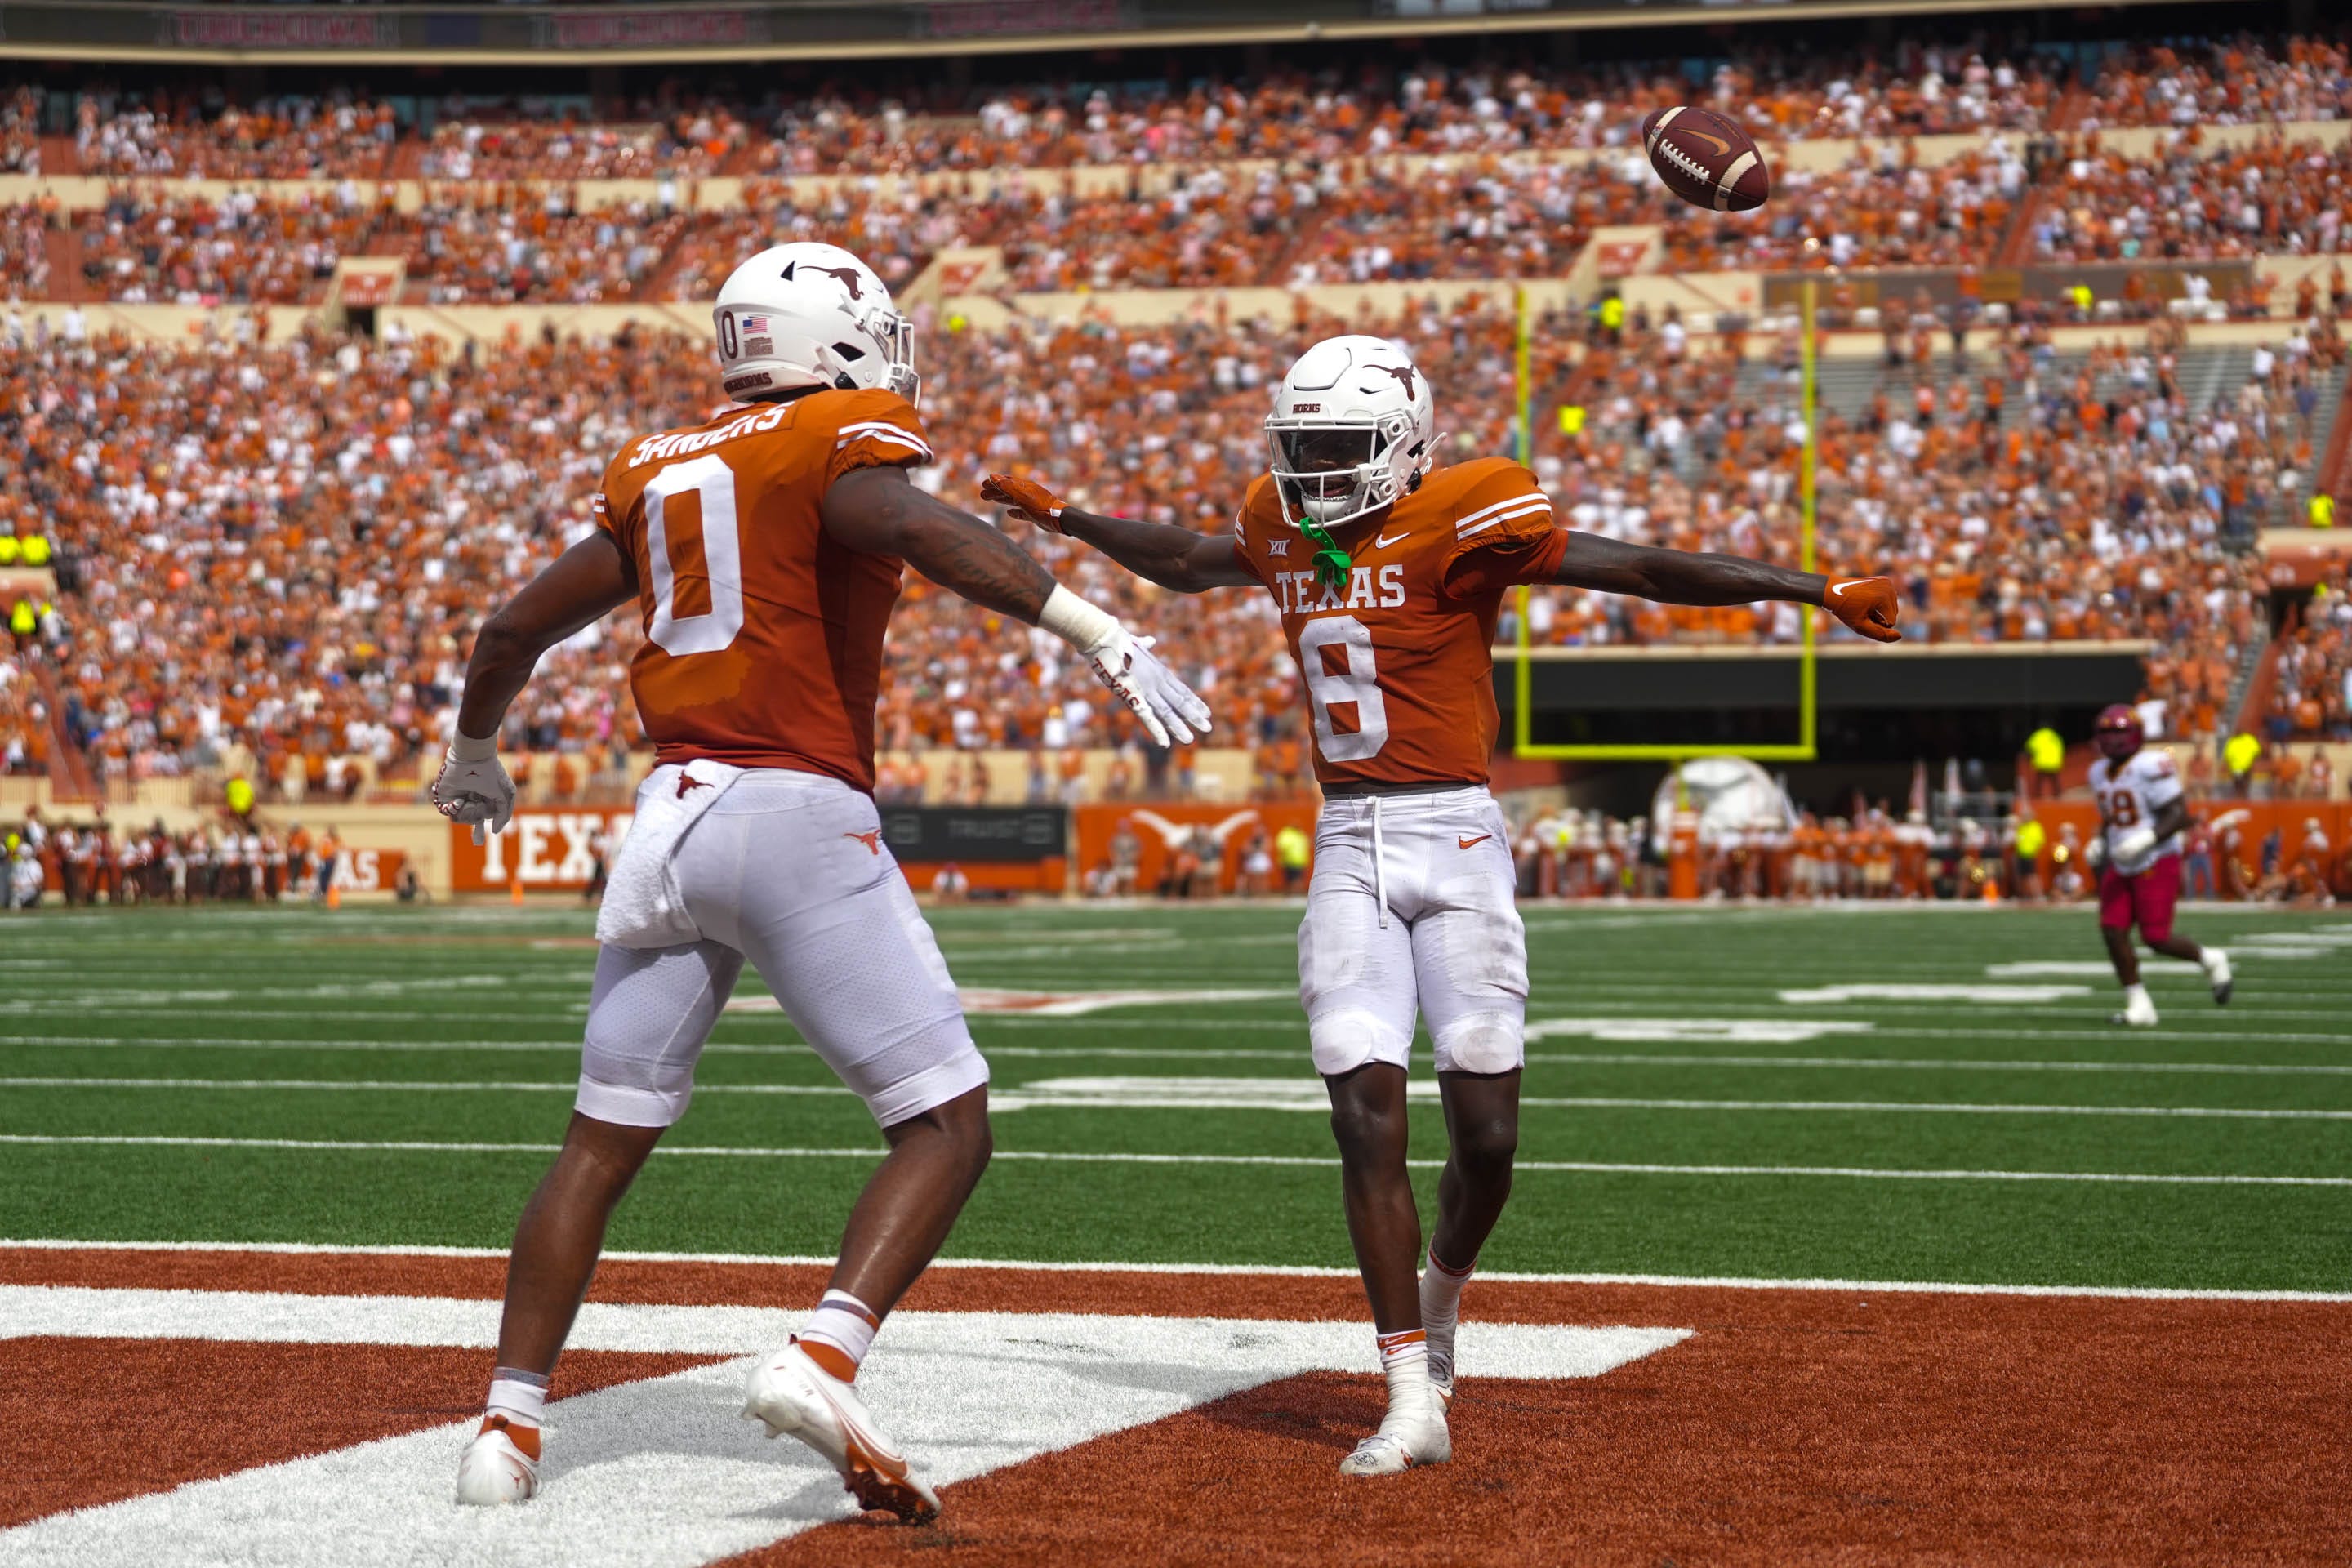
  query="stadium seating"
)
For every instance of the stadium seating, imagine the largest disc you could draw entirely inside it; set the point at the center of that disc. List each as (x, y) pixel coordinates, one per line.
(317, 525)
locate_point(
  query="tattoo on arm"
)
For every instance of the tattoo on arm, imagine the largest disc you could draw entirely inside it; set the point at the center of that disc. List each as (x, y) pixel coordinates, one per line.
(879, 511)
(1175, 558)
(1680, 577)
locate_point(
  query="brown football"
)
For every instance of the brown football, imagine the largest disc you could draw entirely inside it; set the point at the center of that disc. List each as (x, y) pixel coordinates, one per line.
(1706, 159)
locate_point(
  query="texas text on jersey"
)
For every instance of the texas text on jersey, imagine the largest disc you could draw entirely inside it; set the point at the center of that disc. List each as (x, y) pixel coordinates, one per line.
(1397, 664)
(763, 634)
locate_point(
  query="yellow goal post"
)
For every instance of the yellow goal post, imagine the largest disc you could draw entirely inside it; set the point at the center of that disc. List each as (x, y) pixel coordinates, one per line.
(1803, 748)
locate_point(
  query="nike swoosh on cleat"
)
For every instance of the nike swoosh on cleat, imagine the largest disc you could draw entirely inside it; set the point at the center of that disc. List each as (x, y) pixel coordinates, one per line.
(1381, 541)
(1461, 842)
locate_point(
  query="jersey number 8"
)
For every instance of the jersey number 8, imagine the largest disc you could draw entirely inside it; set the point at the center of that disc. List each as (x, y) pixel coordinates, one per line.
(1359, 685)
(712, 483)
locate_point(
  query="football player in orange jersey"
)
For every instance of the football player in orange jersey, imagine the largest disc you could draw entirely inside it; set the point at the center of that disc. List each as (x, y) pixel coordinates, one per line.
(763, 548)
(1389, 574)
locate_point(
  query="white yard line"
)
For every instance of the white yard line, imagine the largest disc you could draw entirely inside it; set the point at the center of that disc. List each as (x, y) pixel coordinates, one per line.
(1587, 1167)
(1215, 1094)
(661, 1473)
(1283, 1270)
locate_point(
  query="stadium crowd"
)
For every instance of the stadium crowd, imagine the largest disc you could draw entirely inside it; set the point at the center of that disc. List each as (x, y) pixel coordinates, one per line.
(282, 549)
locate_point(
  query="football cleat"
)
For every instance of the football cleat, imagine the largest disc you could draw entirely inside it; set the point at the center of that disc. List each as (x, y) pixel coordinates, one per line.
(2217, 973)
(1403, 1441)
(2139, 1013)
(498, 1468)
(795, 1395)
(1440, 1367)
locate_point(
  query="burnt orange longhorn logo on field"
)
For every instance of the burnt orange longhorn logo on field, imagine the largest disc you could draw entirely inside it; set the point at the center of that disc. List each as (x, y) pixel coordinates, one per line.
(871, 838)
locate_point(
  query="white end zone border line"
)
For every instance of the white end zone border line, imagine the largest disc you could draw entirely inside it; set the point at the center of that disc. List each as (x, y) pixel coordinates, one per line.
(662, 1471)
(1278, 1270)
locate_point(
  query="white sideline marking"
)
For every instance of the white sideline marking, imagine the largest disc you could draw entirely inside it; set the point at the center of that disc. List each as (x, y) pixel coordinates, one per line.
(1890, 991)
(1587, 1167)
(1281, 1270)
(988, 1001)
(662, 1472)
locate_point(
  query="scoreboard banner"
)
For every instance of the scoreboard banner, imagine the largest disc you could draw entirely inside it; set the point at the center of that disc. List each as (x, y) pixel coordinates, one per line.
(552, 849)
(976, 834)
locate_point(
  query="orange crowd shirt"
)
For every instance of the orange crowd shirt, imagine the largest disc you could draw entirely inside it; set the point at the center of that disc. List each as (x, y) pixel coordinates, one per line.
(1399, 664)
(763, 634)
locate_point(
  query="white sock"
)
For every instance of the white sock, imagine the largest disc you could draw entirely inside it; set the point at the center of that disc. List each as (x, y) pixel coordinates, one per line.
(843, 1326)
(2136, 996)
(520, 1396)
(1404, 1359)
(1441, 1293)
(2216, 961)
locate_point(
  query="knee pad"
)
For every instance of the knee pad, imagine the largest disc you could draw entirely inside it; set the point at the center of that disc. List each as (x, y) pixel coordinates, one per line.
(1483, 1043)
(1345, 1038)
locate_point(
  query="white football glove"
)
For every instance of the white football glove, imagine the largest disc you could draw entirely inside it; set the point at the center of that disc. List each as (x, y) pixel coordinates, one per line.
(473, 787)
(2136, 843)
(2095, 853)
(1171, 710)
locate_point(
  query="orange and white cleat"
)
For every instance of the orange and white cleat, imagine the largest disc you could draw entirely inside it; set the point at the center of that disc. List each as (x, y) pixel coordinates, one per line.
(795, 1395)
(501, 1465)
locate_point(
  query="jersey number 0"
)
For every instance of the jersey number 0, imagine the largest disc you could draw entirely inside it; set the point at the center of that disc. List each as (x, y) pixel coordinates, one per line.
(712, 483)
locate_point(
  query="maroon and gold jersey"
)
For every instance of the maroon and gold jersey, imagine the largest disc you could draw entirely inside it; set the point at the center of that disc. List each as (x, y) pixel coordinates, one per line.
(1399, 665)
(764, 635)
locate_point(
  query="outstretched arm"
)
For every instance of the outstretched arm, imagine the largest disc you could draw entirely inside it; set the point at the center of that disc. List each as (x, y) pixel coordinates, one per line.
(879, 511)
(587, 581)
(1868, 605)
(1175, 558)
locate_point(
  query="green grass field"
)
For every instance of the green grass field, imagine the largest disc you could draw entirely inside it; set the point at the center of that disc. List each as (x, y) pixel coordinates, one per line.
(162, 1073)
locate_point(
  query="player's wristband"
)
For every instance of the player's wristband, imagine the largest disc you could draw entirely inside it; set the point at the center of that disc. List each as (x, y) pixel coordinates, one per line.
(1076, 622)
(465, 747)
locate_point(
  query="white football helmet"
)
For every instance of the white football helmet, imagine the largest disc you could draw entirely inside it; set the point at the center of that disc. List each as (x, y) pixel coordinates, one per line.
(1353, 429)
(811, 315)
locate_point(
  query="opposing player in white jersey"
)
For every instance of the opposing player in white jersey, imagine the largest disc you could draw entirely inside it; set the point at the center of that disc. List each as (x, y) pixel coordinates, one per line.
(1388, 574)
(2142, 813)
(763, 548)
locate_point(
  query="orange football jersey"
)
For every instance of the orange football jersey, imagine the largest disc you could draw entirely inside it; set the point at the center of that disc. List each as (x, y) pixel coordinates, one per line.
(1398, 666)
(764, 635)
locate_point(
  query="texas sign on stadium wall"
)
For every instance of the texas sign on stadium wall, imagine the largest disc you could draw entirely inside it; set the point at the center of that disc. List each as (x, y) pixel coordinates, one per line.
(540, 849)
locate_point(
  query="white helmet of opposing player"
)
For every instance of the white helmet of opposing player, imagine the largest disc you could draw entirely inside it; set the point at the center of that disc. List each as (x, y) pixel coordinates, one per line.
(1353, 429)
(806, 314)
